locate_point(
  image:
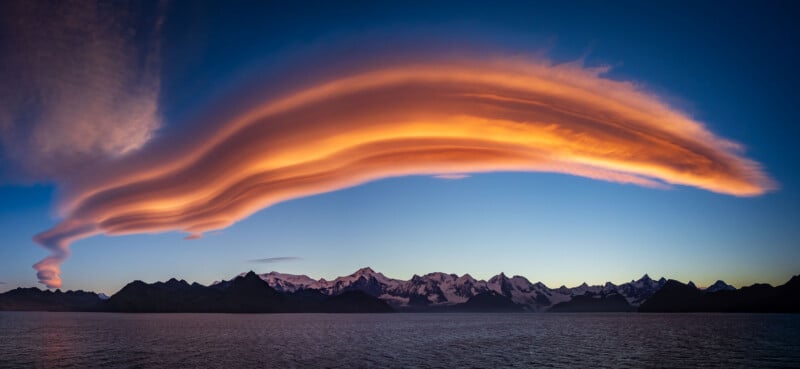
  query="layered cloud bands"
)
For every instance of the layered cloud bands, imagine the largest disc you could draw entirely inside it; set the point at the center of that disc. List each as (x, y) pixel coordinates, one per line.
(444, 118)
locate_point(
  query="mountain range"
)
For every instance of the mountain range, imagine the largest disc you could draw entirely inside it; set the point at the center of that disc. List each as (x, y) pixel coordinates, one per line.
(675, 296)
(246, 293)
(369, 291)
(440, 290)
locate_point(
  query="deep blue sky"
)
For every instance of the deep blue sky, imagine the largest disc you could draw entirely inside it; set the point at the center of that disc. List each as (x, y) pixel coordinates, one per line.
(731, 66)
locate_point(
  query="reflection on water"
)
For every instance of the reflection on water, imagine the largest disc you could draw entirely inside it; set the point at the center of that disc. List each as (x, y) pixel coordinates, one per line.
(80, 340)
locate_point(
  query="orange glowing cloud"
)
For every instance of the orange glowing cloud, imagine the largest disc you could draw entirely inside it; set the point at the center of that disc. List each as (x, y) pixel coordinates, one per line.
(440, 119)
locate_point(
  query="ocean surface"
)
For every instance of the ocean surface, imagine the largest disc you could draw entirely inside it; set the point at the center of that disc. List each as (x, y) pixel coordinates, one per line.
(87, 340)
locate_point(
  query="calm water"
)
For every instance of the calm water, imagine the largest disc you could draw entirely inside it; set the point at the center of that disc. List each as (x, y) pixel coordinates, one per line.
(81, 340)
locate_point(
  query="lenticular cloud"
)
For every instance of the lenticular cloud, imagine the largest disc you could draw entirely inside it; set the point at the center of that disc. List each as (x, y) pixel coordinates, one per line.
(443, 118)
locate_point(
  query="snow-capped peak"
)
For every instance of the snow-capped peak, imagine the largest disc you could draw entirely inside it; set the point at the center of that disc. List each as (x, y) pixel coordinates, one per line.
(290, 282)
(364, 271)
(447, 289)
(466, 278)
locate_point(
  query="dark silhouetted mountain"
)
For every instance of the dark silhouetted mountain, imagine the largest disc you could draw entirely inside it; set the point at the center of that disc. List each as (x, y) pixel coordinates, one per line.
(637, 291)
(249, 294)
(594, 303)
(674, 296)
(308, 301)
(355, 302)
(720, 286)
(489, 302)
(164, 297)
(34, 299)
(246, 293)
(370, 291)
(758, 298)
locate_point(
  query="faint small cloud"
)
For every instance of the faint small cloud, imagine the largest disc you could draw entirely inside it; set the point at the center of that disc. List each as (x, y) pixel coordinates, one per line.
(197, 236)
(451, 176)
(275, 259)
(1, 282)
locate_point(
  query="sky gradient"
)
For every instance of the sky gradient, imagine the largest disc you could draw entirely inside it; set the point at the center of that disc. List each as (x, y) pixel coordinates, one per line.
(565, 143)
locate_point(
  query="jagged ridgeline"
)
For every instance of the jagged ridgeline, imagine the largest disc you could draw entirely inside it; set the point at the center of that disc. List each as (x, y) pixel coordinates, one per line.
(450, 292)
(244, 294)
(367, 291)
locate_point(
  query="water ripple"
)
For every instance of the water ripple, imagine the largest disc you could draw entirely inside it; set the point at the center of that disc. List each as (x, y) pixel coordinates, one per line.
(88, 340)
